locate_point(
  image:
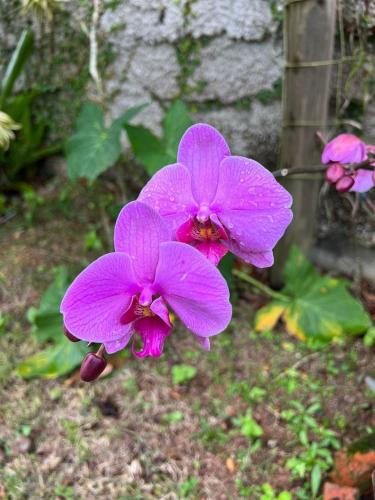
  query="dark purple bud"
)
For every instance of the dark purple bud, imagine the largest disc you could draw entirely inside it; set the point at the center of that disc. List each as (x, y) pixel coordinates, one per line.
(69, 335)
(334, 173)
(92, 366)
(344, 184)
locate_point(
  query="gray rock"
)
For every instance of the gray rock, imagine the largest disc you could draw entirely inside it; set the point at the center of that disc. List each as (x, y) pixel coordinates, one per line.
(232, 70)
(239, 19)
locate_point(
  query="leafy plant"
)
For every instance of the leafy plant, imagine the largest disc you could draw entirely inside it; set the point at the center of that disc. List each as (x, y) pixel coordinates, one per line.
(151, 151)
(27, 149)
(268, 493)
(61, 356)
(173, 417)
(188, 487)
(313, 307)
(94, 147)
(248, 426)
(317, 444)
(183, 373)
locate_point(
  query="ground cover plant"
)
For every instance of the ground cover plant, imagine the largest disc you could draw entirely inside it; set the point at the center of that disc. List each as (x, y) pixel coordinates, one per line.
(250, 419)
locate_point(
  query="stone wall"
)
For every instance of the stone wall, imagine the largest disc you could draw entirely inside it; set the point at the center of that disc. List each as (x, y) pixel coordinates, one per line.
(222, 57)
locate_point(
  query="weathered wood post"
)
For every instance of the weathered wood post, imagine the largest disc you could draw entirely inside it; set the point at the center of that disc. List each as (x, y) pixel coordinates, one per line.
(309, 32)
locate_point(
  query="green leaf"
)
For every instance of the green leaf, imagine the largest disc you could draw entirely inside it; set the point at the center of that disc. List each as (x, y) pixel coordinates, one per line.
(151, 151)
(173, 417)
(128, 115)
(369, 338)
(54, 361)
(226, 267)
(16, 64)
(249, 427)
(320, 308)
(46, 320)
(285, 495)
(92, 148)
(316, 477)
(147, 148)
(183, 373)
(175, 123)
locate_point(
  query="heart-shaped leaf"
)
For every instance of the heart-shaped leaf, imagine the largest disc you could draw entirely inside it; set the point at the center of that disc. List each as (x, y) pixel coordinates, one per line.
(317, 308)
(93, 148)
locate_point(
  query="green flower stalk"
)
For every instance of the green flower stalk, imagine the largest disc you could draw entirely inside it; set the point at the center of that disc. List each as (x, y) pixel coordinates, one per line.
(7, 128)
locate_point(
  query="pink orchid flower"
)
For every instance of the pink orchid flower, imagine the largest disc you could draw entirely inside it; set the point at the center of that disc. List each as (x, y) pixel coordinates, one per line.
(345, 148)
(219, 203)
(129, 291)
(364, 180)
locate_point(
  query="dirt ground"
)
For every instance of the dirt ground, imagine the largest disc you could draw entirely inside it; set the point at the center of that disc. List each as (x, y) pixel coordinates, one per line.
(134, 434)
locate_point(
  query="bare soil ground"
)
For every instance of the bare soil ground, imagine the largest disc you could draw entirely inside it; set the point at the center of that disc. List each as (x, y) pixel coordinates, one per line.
(135, 435)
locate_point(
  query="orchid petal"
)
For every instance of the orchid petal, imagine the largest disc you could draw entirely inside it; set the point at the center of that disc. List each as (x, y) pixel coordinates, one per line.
(119, 344)
(95, 301)
(258, 259)
(253, 207)
(139, 230)
(363, 181)
(193, 288)
(169, 193)
(204, 342)
(345, 148)
(201, 149)
(184, 232)
(159, 308)
(214, 251)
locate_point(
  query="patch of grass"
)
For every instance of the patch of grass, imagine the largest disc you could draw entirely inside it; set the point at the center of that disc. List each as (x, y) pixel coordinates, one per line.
(189, 487)
(74, 435)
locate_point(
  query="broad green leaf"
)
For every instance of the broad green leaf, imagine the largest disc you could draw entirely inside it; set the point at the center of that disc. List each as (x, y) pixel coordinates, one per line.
(175, 123)
(53, 361)
(147, 148)
(51, 298)
(93, 148)
(46, 320)
(267, 317)
(128, 115)
(17, 62)
(320, 308)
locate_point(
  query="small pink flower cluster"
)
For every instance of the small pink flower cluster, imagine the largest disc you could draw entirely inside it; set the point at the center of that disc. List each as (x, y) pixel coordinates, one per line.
(343, 155)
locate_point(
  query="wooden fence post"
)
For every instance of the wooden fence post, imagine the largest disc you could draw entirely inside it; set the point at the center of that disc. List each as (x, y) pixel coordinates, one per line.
(309, 32)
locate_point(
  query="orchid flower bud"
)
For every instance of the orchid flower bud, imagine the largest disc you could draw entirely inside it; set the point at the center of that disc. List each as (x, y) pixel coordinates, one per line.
(344, 184)
(92, 366)
(69, 335)
(334, 172)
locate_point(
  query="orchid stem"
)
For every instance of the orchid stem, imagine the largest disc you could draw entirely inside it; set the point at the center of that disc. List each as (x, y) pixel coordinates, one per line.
(284, 172)
(261, 286)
